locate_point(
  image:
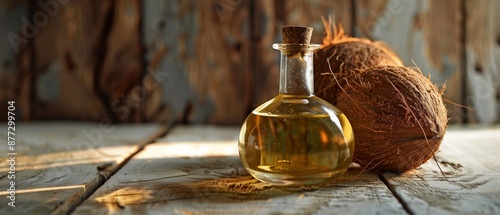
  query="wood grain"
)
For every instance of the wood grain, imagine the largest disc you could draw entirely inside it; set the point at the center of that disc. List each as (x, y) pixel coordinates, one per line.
(196, 170)
(65, 62)
(269, 17)
(427, 34)
(58, 165)
(482, 48)
(120, 73)
(201, 50)
(87, 60)
(15, 59)
(212, 61)
(469, 159)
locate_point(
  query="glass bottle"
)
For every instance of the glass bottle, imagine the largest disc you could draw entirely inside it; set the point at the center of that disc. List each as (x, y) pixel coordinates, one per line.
(296, 138)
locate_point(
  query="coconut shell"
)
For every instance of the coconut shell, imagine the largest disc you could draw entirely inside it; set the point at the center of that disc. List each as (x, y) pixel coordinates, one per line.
(397, 115)
(345, 56)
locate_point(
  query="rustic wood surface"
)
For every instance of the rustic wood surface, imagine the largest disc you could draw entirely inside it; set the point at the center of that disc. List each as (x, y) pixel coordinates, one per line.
(482, 51)
(200, 53)
(426, 34)
(58, 165)
(119, 80)
(269, 17)
(212, 61)
(15, 71)
(85, 68)
(196, 170)
(469, 159)
(214, 58)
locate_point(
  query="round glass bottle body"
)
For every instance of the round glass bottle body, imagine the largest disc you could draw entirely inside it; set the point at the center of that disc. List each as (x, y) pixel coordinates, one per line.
(296, 138)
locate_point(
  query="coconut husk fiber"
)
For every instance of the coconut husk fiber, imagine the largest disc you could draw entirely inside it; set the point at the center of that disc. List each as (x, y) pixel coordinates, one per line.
(341, 55)
(397, 114)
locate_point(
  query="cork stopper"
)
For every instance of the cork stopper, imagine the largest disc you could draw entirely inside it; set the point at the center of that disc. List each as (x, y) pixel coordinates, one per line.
(296, 34)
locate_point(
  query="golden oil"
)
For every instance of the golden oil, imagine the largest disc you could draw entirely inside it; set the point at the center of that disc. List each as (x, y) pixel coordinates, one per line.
(305, 141)
(296, 138)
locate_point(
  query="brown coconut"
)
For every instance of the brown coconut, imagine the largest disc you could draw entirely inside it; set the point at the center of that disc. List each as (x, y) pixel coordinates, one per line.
(341, 55)
(397, 115)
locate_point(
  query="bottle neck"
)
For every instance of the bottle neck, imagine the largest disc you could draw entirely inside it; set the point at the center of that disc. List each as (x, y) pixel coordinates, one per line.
(296, 73)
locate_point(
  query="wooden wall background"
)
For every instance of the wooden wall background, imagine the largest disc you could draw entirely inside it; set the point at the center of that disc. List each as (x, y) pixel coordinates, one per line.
(194, 61)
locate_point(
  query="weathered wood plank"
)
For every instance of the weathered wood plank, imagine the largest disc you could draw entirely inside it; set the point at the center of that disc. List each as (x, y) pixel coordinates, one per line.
(196, 170)
(470, 161)
(15, 57)
(87, 61)
(426, 33)
(482, 48)
(120, 74)
(214, 59)
(65, 62)
(199, 52)
(269, 17)
(58, 165)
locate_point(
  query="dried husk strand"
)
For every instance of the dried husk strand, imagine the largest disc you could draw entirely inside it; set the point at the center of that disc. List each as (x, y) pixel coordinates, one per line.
(342, 55)
(397, 115)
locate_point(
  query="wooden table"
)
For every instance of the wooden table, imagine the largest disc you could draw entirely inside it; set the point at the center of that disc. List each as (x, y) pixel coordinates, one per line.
(86, 168)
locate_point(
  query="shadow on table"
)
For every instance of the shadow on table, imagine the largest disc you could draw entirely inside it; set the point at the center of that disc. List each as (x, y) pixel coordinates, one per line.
(207, 182)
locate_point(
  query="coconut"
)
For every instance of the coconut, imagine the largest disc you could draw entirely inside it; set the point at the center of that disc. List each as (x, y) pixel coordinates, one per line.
(397, 115)
(341, 55)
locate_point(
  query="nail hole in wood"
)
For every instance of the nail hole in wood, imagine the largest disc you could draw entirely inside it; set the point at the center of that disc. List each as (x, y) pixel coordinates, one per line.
(498, 40)
(478, 68)
(498, 94)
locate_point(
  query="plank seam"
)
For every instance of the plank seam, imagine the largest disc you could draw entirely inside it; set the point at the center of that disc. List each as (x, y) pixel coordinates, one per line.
(405, 205)
(161, 133)
(68, 207)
